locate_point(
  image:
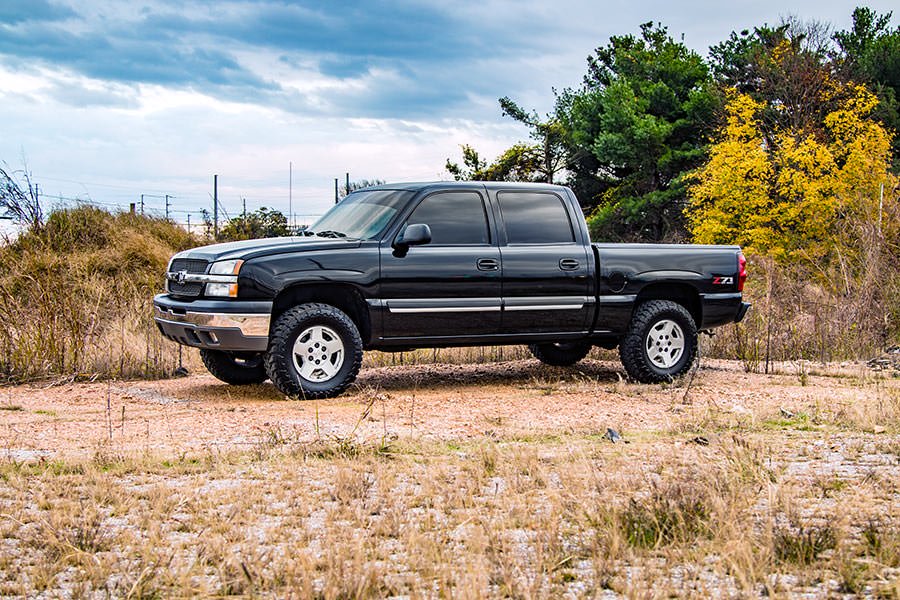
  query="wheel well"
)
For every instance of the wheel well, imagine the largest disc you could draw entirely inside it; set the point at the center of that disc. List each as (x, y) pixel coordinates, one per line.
(681, 293)
(344, 297)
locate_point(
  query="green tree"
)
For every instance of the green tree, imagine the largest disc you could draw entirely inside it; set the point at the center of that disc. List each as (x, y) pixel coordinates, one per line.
(546, 158)
(785, 68)
(870, 54)
(540, 161)
(261, 223)
(520, 162)
(640, 122)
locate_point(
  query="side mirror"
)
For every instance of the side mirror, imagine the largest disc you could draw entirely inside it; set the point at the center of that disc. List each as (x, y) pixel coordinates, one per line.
(414, 235)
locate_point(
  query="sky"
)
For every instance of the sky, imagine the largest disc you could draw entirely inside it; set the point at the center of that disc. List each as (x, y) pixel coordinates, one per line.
(106, 100)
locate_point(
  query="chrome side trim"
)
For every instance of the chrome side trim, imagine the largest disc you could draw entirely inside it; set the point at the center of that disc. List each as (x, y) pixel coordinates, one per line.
(446, 309)
(616, 298)
(442, 305)
(546, 303)
(459, 305)
(250, 325)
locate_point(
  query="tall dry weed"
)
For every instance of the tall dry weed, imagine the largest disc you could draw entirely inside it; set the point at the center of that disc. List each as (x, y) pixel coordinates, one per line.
(76, 296)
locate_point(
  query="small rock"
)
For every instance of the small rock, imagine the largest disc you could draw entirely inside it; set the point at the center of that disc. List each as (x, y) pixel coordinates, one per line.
(741, 410)
(180, 372)
(612, 435)
(879, 429)
(703, 441)
(786, 413)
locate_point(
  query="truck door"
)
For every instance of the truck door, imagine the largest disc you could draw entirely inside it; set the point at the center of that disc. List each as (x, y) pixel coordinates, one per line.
(546, 269)
(450, 287)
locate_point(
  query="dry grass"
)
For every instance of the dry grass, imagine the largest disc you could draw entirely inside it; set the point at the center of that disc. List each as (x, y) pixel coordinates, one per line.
(804, 312)
(762, 509)
(75, 297)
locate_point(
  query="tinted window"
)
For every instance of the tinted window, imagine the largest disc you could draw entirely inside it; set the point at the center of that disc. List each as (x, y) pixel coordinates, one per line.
(363, 214)
(535, 218)
(455, 218)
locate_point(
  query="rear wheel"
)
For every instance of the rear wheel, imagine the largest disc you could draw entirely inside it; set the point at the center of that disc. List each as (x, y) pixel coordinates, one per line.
(315, 351)
(560, 354)
(661, 342)
(234, 368)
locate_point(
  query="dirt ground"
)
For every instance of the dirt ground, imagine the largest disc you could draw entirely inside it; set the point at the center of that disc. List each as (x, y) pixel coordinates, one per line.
(493, 479)
(437, 401)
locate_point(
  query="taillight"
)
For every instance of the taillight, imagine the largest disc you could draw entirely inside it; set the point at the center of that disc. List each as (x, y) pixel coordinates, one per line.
(742, 271)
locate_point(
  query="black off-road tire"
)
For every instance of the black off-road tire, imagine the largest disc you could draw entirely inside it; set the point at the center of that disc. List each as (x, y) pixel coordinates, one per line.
(635, 350)
(560, 354)
(236, 369)
(282, 366)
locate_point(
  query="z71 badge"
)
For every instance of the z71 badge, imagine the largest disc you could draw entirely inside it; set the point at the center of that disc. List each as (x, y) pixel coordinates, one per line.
(723, 281)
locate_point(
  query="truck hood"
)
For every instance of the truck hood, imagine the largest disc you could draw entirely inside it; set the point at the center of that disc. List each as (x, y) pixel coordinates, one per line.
(248, 249)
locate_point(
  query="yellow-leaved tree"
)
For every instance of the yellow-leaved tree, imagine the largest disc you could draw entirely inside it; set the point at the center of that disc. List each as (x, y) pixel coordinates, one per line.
(794, 195)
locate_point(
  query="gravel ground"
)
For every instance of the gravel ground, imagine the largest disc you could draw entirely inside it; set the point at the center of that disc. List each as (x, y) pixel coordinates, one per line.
(438, 401)
(190, 487)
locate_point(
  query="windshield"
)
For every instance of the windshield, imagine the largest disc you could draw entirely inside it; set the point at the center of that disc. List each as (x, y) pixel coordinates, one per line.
(361, 215)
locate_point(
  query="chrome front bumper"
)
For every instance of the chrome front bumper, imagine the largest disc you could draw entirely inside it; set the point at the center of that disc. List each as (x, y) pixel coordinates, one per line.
(214, 324)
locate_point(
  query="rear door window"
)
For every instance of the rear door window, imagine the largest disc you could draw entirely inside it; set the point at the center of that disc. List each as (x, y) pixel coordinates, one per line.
(535, 218)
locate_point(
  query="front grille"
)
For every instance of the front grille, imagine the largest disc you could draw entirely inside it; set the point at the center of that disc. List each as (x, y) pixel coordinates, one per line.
(191, 265)
(190, 290)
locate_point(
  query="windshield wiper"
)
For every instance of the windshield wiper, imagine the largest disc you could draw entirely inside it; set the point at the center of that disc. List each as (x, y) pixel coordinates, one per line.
(331, 234)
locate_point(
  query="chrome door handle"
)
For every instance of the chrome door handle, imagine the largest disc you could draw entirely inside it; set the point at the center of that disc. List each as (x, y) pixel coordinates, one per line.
(568, 264)
(488, 264)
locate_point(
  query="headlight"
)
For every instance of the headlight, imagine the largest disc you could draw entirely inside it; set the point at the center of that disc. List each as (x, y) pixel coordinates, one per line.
(226, 267)
(224, 290)
(227, 288)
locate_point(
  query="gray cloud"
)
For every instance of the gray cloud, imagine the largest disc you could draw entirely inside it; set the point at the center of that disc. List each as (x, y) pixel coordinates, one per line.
(20, 11)
(196, 46)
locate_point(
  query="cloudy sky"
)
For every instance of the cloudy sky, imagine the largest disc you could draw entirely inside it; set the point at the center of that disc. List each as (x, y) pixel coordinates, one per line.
(107, 99)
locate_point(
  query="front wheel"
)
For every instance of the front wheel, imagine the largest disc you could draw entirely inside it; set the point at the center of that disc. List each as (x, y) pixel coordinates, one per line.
(560, 354)
(661, 342)
(233, 368)
(315, 351)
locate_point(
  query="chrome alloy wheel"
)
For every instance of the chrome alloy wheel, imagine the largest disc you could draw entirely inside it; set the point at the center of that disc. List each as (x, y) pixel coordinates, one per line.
(665, 344)
(318, 353)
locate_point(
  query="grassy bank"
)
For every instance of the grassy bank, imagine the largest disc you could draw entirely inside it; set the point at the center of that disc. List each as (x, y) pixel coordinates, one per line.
(75, 296)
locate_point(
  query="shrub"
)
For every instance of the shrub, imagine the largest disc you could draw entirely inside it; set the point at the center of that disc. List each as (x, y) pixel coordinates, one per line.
(75, 296)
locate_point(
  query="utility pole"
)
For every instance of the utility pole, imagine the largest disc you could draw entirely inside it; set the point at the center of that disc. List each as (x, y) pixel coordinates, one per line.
(291, 195)
(37, 203)
(167, 206)
(215, 206)
(335, 190)
(189, 223)
(142, 204)
(347, 193)
(244, 200)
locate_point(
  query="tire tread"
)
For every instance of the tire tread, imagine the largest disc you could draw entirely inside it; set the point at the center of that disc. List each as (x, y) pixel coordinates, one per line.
(631, 349)
(550, 354)
(278, 362)
(222, 366)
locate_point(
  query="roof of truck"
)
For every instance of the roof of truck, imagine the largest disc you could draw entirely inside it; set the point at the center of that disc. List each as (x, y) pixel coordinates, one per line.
(421, 185)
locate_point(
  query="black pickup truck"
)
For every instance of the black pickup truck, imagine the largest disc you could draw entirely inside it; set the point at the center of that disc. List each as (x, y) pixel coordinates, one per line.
(396, 267)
